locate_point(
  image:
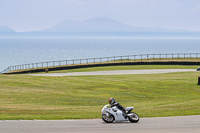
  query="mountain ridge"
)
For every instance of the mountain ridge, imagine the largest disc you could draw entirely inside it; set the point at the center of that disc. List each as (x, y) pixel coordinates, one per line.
(6, 29)
(101, 25)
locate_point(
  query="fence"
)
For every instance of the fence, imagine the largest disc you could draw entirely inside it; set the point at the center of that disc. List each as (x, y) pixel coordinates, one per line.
(112, 59)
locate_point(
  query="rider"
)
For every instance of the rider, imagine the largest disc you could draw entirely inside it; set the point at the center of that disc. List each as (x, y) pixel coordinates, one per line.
(113, 103)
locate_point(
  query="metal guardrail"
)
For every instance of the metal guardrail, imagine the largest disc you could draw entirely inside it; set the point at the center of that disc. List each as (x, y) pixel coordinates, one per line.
(112, 59)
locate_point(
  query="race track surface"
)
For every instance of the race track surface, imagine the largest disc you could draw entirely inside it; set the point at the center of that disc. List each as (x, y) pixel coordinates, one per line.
(180, 124)
(117, 72)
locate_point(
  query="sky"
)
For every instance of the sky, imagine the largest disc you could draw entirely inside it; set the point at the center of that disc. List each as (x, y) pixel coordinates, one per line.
(29, 15)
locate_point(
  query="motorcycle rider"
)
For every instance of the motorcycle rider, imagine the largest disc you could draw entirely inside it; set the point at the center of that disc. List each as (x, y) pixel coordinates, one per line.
(113, 103)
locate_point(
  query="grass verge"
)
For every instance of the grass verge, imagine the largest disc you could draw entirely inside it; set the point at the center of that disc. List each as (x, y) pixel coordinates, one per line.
(82, 97)
(126, 67)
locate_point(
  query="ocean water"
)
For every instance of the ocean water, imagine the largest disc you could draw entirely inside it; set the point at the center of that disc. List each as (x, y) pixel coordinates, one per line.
(21, 51)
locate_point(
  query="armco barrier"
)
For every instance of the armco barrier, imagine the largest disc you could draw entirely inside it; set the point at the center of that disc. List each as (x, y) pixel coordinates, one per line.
(101, 61)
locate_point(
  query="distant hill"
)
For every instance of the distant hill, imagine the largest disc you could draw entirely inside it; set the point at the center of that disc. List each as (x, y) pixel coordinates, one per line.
(100, 25)
(6, 29)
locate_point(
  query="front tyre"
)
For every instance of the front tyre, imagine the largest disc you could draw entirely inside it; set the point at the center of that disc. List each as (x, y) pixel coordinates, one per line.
(133, 117)
(108, 119)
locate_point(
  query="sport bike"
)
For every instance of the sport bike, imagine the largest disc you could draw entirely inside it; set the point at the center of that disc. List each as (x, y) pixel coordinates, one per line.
(114, 114)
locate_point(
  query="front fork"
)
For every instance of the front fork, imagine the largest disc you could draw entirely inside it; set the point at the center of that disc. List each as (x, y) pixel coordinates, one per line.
(108, 114)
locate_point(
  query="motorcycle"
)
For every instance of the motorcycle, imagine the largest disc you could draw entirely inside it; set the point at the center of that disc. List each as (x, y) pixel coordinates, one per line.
(114, 114)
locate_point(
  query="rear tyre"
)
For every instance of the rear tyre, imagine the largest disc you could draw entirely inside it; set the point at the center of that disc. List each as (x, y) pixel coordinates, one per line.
(108, 119)
(134, 118)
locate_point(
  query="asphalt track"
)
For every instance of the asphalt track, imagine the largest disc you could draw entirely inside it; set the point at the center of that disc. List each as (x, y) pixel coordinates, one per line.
(180, 124)
(117, 72)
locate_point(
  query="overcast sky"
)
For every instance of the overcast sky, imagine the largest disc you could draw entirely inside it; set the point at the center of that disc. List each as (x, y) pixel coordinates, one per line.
(27, 15)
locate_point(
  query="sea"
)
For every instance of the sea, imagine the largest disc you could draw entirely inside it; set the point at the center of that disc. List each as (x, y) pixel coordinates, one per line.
(16, 51)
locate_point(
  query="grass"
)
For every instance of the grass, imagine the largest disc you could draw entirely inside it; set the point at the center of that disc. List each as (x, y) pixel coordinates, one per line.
(82, 97)
(126, 67)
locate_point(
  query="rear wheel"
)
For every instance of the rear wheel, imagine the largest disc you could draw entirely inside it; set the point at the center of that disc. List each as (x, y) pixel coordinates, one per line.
(133, 117)
(108, 119)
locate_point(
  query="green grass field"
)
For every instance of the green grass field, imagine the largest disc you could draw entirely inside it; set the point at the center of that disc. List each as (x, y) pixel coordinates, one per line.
(82, 97)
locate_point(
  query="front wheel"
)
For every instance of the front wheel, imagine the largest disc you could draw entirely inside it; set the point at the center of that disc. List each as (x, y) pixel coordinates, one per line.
(133, 117)
(108, 119)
